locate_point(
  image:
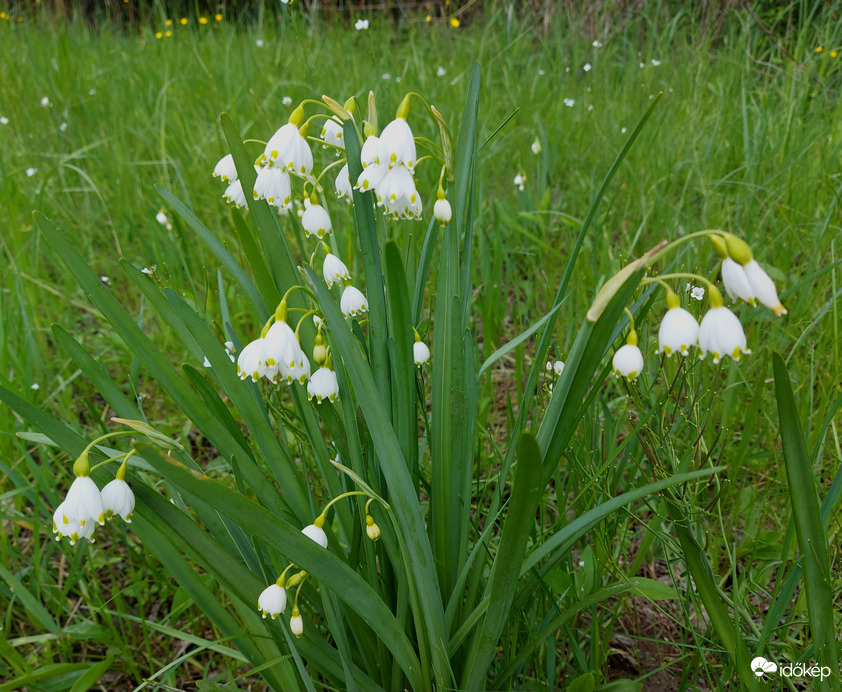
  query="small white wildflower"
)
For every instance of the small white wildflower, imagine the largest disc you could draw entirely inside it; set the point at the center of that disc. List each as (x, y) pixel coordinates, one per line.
(146, 270)
(590, 107)
(118, 499)
(558, 367)
(587, 67)
(91, 92)
(4, 121)
(536, 146)
(385, 76)
(334, 270)
(441, 72)
(105, 280)
(323, 385)
(420, 353)
(541, 73)
(519, 181)
(45, 102)
(642, 65)
(161, 218)
(655, 63)
(722, 334)
(352, 302)
(63, 127)
(698, 293)
(30, 172)
(549, 366)
(597, 44)
(286, 100)
(623, 130)
(272, 601)
(628, 362)
(35, 386)
(569, 102)
(206, 363)
(361, 24)
(259, 43)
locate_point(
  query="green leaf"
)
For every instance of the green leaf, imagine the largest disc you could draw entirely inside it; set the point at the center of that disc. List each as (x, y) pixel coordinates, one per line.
(92, 675)
(655, 590)
(809, 528)
(520, 520)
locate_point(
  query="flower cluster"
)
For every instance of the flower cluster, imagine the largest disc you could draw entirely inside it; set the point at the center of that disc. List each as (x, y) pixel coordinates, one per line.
(720, 332)
(85, 506)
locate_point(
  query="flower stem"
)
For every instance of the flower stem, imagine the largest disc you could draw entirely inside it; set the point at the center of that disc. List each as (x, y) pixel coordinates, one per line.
(679, 241)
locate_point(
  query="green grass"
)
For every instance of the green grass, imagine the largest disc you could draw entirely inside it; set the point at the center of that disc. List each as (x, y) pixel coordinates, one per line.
(744, 139)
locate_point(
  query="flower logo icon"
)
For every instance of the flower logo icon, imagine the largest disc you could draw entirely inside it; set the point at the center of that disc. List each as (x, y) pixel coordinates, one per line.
(760, 666)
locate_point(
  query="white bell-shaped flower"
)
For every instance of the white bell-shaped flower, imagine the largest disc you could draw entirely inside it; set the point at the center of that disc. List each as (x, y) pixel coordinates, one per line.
(370, 152)
(296, 623)
(234, 194)
(62, 527)
(371, 177)
(287, 149)
(334, 270)
(273, 185)
(442, 211)
(722, 334)
(353, 302)
(397, 194)
(272, 601)
(323, 385)
(298, 369)
(250, 361)
(83, 504)
(397, 144)
(225, 169)
(118, 500)
(678, 332)
(316, 533)
(420, 353)
(332, 134)
(628, 362)
(343, 184)
(280, 346)
(316, 221)
(763, 287)
(736, 282)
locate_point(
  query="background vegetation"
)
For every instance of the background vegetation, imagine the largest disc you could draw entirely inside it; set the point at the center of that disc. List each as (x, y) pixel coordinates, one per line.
(746, 138)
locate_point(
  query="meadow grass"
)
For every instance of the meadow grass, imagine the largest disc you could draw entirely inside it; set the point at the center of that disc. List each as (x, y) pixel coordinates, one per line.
(745, 139)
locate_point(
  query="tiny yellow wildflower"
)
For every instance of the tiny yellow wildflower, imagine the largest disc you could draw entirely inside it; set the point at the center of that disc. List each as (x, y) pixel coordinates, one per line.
(168, 34)
(158, 34)
(203, 20)
(833, 54)
(429, 19)
(3, 15)
(183, 21)
(454, 22)
(168, 22)
(217, 17)
(819, 49)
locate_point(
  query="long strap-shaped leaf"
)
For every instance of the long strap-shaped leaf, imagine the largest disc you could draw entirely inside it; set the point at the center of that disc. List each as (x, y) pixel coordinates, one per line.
(809, 528)
(519, 522)
(288, 540)
(418, 555)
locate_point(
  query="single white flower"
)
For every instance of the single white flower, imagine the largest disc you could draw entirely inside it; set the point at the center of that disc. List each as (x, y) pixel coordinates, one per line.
(370, 152)
(541, 72)
(520, 181)
(332, 133)
(161, 218)
(549, 366)
(63, 127)
(30, 172)
(397, 194)
(678, 332)
(273, 185)
(442, 211)
(763, 287)
(397, 144)
(385, 76)
(558, 367)
(536, 146)
(642, 65)
(722, 334)
(628, 362)
(62, 526)
(420, 353)
(372, 175)
(286, 100)
(46, 102)
(316, 221)
(597, 44)
(296, 623)
(287, 149)
(334, 270)
(118, 499)
(361, 24)
(299, 370)
(272, 601)
(623, 130)
(4, 121)
(352, 302)
(91, 92)
(441, 72)
(105, 280)
(35, 386)
(83, 503)
(250, 361)
(323, 385)
(225, 169)
(280, 346)
(736, 282)
(259, 43)
(655, 62)
(587, 67)
(146, 270)
(698, 293)
(316, 533)
(234, 194)
(569, 102)
(206, 363)
(343, 183)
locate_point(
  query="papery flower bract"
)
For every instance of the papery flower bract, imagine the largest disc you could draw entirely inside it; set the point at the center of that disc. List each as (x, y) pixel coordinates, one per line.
(250, 361)
(420, 353)
(334, 270)
(736, 282)
(397, 144)
(83, 503)
(722, 334)
(289, 150)
(678, 332)
(628, 362)
(273, 185)
(272, 601)
(352, 302)
(316, 221)
(343, 183)
(332, 133)
(234, 194)
(118, 499)
(323, 385)
(442, 211)
(397, 194)
(316, 533)
(763, 287)
(225, 169)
